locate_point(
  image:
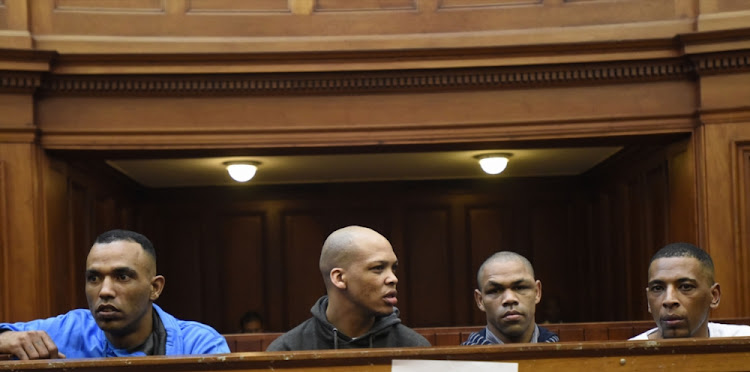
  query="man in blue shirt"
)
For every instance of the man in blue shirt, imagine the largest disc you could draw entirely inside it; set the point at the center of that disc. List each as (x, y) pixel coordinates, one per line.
(122, 320)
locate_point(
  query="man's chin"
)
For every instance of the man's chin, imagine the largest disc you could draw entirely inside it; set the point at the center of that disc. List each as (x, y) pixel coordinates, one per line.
(674, 333)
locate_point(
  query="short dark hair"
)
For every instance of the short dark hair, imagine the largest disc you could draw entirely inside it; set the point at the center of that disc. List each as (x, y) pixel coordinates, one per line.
(127, 235)
(249, 317)
(686, 250)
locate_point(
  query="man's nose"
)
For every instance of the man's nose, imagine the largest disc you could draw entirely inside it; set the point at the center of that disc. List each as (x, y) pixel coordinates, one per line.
(510, 298)
(670, 298)
(107, 289)
(392, 279)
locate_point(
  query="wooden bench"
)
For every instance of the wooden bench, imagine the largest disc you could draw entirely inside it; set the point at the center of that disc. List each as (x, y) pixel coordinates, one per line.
(684, 355)
(452, 336)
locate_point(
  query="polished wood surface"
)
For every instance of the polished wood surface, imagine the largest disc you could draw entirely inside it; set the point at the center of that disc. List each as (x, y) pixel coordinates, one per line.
(454, 336)
(682, 355)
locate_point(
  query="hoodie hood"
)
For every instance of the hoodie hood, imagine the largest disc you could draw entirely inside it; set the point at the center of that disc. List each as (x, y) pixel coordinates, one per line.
(325, 330)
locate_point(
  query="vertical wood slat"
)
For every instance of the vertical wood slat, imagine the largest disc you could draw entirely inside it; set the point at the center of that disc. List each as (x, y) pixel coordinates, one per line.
(243, 263)
(427, 243)
(4, 300)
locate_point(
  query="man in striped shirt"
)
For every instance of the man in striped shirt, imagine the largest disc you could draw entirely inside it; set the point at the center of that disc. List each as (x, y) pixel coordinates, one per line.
(508, 293)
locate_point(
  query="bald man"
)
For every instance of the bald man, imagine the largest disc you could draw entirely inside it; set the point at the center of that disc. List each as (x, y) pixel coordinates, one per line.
(359, 311)
(508, 293)
(122, 320)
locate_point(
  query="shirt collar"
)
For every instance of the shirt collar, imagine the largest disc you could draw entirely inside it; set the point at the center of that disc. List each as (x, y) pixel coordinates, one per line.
(492, 338)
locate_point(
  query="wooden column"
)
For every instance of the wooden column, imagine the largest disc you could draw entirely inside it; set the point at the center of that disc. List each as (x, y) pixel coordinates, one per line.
(24, 292)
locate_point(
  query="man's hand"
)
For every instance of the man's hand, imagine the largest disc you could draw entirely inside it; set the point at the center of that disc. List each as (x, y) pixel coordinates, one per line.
(29, 345)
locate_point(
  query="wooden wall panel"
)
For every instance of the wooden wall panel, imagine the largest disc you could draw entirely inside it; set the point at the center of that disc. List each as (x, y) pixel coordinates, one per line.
(77, 206)
(551, 252)
(108, 5)
(247, 26)
(186, 263)
(234, 7)
(304, 235)
(364, 5)
(458, 4)
(743, 265)
(244, 267)
(58, 238)
(631, 220)
(427, 247)
(5, 275)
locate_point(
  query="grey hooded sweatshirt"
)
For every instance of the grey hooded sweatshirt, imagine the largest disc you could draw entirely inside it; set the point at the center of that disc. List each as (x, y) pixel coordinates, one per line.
(317, 333)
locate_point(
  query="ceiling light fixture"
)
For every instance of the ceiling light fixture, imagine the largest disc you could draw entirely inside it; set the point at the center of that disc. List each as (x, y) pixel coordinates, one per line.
(242, 170)
(493, 163)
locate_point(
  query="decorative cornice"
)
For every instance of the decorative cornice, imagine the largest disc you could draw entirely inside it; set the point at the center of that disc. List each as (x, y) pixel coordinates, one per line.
(373, 81)
(19, 82)
(722, 63)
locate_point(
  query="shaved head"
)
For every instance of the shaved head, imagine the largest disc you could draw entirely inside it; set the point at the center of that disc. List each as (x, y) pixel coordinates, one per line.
(341, 248)
(503, 256)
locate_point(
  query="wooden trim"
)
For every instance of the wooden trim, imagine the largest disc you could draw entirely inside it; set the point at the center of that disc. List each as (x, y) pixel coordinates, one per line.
(728, 354)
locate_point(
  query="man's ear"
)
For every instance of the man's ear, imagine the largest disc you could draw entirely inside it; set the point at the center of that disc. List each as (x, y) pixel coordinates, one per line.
(157, 285)
(648, 304)
(478, 299)
(338, 277)
(538, 292)
(715, 295)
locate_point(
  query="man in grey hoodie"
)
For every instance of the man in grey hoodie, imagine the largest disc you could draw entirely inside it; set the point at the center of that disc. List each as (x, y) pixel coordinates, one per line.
(359, 270)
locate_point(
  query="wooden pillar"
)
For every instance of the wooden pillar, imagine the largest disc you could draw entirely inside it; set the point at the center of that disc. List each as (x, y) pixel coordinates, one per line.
(723, 173)
(24, 292)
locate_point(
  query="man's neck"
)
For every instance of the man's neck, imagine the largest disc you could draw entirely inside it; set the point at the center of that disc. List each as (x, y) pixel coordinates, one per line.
(524, 338)
(136, 338)
(348, 318)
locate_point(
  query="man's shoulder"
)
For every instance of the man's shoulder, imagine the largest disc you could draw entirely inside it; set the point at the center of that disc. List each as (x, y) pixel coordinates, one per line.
(545, 335)
(728, 330)
(194, 337)
(478, 338)
(409, 337)
(295, 338)
(644, 335)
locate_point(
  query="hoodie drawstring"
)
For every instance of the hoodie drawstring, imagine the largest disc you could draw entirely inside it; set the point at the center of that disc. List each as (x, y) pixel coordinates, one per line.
(336, 339)
(371, 341)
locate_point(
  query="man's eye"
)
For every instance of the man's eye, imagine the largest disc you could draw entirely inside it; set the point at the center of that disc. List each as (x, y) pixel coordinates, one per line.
(378, 268)
(656, 288)
(92, 278)
(686, 287)
(123, 277)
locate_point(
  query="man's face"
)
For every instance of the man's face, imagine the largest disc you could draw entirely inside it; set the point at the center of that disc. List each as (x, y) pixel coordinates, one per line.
(680, 296)
(508, 296)
(371, 278)
(120, 286)
(253, 326)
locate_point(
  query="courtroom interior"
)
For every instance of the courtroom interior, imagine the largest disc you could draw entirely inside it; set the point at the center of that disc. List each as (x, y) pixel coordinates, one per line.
(627, 121)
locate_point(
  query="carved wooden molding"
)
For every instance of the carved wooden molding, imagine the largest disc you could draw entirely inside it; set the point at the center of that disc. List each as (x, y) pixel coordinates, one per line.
(374, 81)
(722, 63)
(11, 81)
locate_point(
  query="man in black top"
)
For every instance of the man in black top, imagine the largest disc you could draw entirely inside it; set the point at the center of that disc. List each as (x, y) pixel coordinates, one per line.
(358, 267)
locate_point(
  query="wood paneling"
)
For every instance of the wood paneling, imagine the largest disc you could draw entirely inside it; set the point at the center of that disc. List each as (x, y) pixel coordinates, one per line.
(430, 262)
(303, 236)
(244, 267)
(630, 220)
(234, 7)
(264, 25)
(125, 6)
(4, 249)
(364, 5)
